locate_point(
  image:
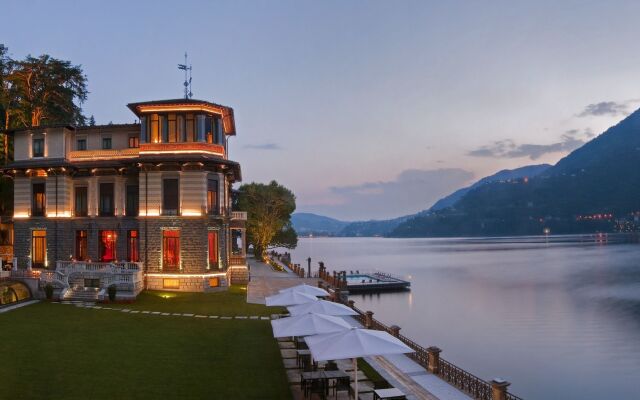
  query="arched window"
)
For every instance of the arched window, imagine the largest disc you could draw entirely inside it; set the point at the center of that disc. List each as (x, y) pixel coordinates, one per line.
(13, 292)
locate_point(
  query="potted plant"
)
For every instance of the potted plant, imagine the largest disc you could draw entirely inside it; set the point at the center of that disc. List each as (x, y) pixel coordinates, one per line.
(48, 291)
(112, 291)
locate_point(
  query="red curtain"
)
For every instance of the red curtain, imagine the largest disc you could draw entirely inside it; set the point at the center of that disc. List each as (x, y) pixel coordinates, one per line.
(108, 246)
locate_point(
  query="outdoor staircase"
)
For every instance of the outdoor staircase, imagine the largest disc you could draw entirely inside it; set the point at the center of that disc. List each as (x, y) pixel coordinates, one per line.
(238, 275)
(81, 294)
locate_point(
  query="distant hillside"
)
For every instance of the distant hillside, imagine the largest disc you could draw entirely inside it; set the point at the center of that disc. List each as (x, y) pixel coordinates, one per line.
(373, 227)
(528, 171)
(585, 192)
(308, 223)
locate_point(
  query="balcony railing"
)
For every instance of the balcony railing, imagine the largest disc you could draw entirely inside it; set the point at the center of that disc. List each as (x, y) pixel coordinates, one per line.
(239, 215)
(237, 260)
(90, 155)
(181, 148)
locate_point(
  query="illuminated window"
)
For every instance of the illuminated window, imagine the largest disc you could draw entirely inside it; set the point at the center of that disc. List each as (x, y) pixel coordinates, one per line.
(171, 283)
(154, 129)
(214, 282)
(172, 134)
(170, 250)
(81, 245)
(106, 199)
(106, 143)
(38, 200)
(80, 201)
(164, 128)
(180, 128)
(212, 196)
(108, 240)
(38, 248)
(38, 147)
(134, 142)
(170, 196)
(208, 128)
(132, 246)
(190, 128)
(213, 249)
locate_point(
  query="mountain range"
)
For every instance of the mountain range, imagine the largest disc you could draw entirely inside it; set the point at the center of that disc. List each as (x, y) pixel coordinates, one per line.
(590, 190)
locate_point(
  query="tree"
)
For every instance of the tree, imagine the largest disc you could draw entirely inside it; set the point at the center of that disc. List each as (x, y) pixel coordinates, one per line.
(48, 88)
(269, 208)
(8, 97)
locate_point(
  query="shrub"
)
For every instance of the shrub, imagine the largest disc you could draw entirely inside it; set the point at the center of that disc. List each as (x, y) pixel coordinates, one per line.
(48, 291)
(112, 290)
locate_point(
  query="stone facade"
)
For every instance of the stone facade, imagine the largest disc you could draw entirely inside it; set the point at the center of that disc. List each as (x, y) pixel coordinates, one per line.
(170, 172)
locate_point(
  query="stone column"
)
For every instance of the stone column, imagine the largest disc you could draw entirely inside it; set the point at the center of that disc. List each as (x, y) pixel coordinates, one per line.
(368, 321)
(395, 330)
(499, 389)
(433, 359)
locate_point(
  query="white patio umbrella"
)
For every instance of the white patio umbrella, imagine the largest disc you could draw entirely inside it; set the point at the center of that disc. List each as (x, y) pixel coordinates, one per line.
(308, 324)
(289, 298)
(307, 289)
(354, 343)
(321, 307)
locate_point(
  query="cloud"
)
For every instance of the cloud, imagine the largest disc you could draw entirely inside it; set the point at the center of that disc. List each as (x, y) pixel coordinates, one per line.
(569, 141)
(412, 191)
(608, 108)
(264, 146)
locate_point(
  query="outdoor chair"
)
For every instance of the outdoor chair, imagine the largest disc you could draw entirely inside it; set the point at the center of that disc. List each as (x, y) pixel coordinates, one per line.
(341, 385)
(331, 366)
(316, 386)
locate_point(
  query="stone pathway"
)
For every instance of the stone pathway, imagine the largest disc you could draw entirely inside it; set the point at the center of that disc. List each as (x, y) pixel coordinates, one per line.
(266, 282)
(18, 305)
(93, 306)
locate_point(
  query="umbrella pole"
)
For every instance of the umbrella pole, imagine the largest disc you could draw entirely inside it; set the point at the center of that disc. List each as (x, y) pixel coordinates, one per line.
(355, 373)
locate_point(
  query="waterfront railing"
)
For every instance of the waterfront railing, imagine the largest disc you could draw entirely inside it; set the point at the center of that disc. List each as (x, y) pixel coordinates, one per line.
(427, 357)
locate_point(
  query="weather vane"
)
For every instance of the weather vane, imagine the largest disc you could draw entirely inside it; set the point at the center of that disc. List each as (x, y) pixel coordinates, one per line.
(187, 77)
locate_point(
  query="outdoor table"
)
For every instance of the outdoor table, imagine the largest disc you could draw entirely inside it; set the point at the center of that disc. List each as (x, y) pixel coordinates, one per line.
(307, 379)
(388, 394)
(339, 376)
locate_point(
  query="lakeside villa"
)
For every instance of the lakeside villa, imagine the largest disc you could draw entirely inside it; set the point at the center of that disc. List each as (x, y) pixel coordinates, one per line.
(140, 206)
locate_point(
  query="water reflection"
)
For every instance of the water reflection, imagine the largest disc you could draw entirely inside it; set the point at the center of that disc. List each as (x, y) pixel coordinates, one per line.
(557, 316)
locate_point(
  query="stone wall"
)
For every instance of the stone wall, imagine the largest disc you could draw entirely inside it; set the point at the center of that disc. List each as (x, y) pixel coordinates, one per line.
(186, 283)
(193, 243)
(61, 237)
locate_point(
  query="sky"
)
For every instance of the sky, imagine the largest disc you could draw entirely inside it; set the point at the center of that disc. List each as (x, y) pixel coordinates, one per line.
(365, 109)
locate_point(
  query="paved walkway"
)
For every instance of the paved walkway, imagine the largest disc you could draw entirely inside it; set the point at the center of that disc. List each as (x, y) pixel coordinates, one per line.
(81, 304)
(13, 307)
(265, 281)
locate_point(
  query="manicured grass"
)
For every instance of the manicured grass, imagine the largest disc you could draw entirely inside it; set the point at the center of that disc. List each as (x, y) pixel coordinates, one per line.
(58, 351)
(226, 303)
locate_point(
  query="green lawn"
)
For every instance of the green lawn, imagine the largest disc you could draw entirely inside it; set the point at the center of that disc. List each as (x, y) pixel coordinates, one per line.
(226, 303)
(56, 351)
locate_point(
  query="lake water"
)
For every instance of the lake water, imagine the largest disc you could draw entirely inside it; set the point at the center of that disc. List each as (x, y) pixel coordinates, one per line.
(558, 317)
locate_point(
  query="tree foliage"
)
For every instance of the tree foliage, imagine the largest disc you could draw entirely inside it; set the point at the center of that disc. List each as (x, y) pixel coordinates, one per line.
(39, 90)
(32, 91)
(269, 208)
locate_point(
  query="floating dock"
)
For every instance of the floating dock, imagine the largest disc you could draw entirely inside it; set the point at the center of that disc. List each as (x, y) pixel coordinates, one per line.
(374, 282)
